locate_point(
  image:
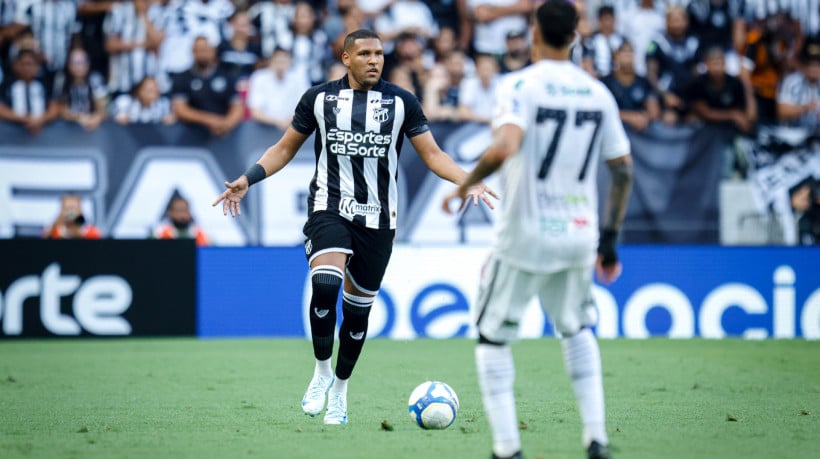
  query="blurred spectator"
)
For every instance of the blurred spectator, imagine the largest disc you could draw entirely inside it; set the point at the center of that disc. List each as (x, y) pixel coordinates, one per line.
(179, 223)
(406, 16)
(440, 47)
(336, 71)
(8, 30)
(403, 78)
(640, 25)
(494, 19)
(476, 95)
(206, 94)
(352, 18)
(581, 51)
(311, 48)
(440, 94)
(24, 98)
(671, 63)
(132, 40)
(91, 16)
(807, 13)
(603, 43)
(806, 204)
(716, 23)
(373, 8)
(23, 39)
(770, 46)
(453, 15)
(274, 92)
(184, 21)
(52, 22)
(238, 54)
(719, 98)
(409, 54)
(798, 101)
(637, 102)
(71, 223)
(145, 104)
(272, 19)
(517, 55)
(82, 93)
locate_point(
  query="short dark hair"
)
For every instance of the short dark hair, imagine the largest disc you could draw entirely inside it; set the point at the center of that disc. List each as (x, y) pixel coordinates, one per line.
(557, 20)
(606, 10)
(360, 34)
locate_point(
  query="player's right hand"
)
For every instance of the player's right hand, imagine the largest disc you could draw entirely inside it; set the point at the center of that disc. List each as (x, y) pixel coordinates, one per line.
(230, 198)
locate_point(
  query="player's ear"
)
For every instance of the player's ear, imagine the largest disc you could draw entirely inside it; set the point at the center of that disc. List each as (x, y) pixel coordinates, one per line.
(345, 59)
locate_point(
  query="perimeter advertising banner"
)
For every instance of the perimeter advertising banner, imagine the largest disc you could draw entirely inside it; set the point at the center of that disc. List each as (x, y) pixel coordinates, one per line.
(97, 288)
(674, 291)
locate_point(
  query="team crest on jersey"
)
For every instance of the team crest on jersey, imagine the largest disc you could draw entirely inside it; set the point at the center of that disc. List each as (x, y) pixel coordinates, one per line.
(308, 247)
(219, 84)
(380, 115)
(336, 110)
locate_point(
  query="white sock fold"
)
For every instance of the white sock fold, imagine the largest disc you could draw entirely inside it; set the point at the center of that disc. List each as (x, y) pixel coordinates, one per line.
(496, 374)
(323, 368)
(582, 359)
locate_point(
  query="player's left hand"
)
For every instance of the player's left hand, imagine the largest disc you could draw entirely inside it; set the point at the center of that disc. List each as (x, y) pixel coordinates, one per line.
(607, 273)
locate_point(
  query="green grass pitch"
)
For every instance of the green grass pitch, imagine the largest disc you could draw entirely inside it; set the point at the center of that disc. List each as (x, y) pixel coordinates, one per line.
(187, 398)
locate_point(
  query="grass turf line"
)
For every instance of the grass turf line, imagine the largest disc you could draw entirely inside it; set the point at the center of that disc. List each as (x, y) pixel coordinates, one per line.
(240, 398)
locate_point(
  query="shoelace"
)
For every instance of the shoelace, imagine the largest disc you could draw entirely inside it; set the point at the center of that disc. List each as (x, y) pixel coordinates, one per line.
(318, 389)
(336, 406)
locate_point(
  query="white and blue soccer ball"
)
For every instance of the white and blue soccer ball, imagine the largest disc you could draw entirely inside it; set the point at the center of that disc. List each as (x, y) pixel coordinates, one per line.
(433, 405)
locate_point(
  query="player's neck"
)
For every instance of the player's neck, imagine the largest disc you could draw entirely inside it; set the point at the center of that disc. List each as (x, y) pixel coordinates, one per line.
(548, 53)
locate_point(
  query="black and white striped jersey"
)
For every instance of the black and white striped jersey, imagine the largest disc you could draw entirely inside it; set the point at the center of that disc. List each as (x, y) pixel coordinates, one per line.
(53, 24)
(127, 68)
(358, 141)
(272, 23)
(23, 98)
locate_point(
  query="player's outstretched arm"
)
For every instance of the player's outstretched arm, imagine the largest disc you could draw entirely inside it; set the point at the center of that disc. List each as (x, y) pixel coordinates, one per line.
(506, 141)
(271, 162)
(607, 266)
(443, 165)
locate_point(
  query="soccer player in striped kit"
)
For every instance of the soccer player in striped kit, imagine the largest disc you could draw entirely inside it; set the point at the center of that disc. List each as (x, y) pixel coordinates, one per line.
(360, 122)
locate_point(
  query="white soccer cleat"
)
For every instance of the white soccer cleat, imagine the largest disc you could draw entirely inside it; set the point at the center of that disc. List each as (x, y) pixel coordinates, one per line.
(336, 408)
(314, 400)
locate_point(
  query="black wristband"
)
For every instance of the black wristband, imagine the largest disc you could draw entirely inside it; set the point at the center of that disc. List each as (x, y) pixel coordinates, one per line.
(255, 173)
(606, 246)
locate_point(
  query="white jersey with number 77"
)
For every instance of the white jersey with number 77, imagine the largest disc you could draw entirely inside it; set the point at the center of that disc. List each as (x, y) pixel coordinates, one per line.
(549, 215)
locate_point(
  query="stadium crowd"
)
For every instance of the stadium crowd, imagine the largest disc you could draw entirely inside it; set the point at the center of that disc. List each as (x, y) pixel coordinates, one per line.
(738, 63)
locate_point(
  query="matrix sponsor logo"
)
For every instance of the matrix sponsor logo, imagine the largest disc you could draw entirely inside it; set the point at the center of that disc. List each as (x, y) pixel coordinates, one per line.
(367, 144)
(349, 207)
(97, 305)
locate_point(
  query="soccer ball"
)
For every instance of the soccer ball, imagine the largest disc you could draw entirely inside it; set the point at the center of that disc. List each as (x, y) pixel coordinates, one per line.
(433, 405)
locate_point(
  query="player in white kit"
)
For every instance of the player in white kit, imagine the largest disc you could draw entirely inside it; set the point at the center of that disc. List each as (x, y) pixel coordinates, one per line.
(553, 124)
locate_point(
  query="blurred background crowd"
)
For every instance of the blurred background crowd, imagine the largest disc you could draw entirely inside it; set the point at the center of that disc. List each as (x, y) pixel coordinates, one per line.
(743, 64)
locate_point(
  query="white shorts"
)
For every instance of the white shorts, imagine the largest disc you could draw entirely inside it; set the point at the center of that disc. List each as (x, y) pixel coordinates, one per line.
(505, 291)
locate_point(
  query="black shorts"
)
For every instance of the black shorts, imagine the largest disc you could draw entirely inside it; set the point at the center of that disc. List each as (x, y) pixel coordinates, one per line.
(368, 249)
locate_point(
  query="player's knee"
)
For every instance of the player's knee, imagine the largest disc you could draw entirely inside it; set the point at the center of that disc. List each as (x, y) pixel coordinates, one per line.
(356, 310)
(326, 281)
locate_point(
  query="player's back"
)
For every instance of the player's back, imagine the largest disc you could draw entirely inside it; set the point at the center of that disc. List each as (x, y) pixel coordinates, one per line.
(550, 220)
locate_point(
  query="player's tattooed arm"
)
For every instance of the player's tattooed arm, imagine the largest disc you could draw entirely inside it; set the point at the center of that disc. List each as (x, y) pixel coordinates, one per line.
(621, 172)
